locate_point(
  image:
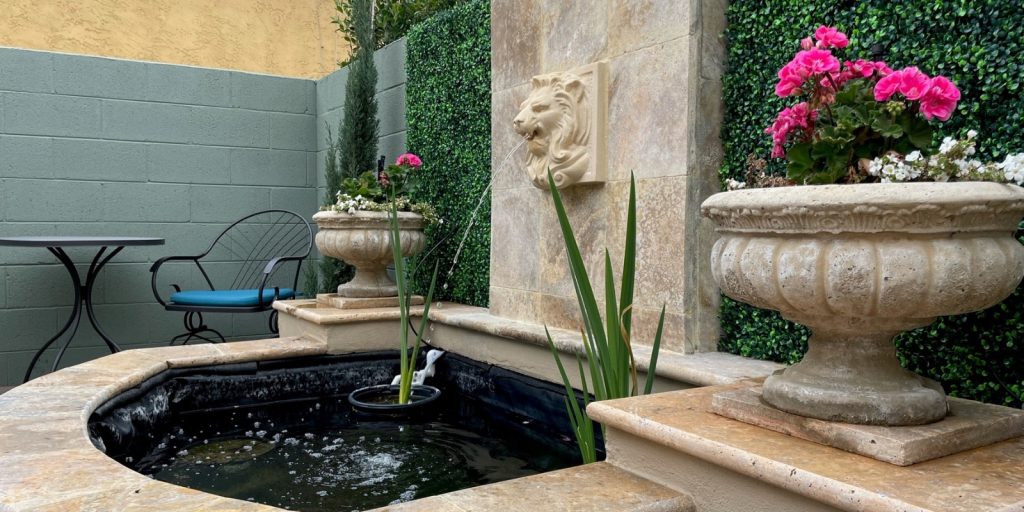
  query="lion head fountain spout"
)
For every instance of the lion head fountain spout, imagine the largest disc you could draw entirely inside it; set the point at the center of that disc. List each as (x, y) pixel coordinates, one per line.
(563, 119)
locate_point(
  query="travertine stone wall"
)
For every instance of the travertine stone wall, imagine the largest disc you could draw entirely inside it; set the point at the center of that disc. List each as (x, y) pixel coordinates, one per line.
(664, 112)
(278, 37)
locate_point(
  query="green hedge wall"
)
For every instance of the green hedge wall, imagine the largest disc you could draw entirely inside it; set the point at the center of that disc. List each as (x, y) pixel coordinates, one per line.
(448, 112)
(979, 44)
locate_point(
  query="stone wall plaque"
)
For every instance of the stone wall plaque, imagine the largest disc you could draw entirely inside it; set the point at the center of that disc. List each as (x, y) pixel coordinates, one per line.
(565, 120)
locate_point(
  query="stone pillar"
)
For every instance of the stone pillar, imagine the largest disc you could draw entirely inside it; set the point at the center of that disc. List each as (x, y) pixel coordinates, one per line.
(665, 59)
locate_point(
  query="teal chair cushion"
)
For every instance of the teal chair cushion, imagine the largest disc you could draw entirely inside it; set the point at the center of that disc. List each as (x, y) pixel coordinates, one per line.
(228, 298)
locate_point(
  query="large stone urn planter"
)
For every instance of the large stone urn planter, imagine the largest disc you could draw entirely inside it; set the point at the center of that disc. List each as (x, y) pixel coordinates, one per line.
(363, 240)
(858, 264)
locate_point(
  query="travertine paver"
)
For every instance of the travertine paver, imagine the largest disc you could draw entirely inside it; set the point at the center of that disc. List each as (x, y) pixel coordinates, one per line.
(986, 479)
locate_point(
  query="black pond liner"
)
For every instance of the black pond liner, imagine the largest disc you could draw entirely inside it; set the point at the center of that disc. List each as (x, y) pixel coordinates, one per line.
(281, 432)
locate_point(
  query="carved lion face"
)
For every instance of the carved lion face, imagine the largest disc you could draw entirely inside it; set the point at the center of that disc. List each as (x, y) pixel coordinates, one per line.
(555, 122)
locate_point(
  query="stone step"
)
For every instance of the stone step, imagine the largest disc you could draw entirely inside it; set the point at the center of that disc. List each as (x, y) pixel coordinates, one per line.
(599, 487)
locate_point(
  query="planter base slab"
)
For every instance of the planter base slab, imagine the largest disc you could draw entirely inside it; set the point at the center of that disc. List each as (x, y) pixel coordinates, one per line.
(969, 425)
(338, 302)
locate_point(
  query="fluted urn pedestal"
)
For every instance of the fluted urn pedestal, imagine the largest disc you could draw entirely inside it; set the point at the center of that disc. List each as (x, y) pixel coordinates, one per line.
(363, 240)
(858, 264)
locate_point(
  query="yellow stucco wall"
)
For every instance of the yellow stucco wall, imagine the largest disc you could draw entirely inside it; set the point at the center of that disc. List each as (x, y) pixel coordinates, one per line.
(280, 37)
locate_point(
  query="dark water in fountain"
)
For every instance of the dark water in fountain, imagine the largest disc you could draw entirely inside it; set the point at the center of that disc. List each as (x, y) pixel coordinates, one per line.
(321, 458)
(314, 453)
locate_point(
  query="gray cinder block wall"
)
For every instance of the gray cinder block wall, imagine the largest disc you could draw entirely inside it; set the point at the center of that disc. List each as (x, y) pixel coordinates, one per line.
(96, 146)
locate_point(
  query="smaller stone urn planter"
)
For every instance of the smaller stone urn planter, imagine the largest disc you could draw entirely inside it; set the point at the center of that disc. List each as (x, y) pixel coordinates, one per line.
(363, 240)
(858, 264)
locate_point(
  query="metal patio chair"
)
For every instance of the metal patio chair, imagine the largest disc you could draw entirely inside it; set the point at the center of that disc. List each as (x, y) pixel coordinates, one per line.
(256, 249)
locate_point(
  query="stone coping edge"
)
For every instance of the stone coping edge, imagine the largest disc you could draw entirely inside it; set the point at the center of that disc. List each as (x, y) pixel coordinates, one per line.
(700, 369)
(49, 461)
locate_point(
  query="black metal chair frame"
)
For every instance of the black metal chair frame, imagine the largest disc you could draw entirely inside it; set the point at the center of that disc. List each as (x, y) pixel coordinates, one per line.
(194, 324)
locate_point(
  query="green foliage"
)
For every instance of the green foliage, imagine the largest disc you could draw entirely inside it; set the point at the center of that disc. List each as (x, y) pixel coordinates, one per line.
(392, 19)
(355, 150)
(606, 342)
(979, 44)
(448, 113)
(855, 126)
(357, 137)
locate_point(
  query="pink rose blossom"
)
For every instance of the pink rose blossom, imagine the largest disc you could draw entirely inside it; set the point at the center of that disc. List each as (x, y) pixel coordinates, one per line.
(806, 43)
(913, 83)
(816, 62)
(940, 99)
(409, 159)
(829, 37)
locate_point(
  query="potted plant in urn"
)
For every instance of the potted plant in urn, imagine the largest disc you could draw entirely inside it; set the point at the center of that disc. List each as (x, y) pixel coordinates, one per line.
(355, 228)
(889, 234)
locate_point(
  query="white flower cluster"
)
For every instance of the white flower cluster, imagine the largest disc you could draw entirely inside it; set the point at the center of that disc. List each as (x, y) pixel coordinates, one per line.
(952, 162)
(731, 184)
(351, 205)
(347, 203)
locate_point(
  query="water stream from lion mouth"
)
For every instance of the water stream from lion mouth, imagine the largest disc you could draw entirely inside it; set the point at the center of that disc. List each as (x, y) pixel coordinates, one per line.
(320, 456)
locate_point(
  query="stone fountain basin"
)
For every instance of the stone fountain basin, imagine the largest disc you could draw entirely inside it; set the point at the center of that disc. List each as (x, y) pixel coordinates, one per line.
(50, 463)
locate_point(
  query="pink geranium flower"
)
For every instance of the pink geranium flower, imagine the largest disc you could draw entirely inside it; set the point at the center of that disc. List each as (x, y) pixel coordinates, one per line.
(829, 37)
(913, 83)
(882, 68)
(886, 87)
(940, 99)
(799, 116)
(409, 159)
(806, 43)
(816, 62)
(910, 82)
(860, 68)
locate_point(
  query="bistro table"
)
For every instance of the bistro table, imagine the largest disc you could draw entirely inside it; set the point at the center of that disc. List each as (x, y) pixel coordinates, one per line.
(83, 292)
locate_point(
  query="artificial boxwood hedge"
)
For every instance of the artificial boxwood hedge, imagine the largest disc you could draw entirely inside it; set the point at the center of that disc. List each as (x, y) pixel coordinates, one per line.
(448, 113)
(979, 44)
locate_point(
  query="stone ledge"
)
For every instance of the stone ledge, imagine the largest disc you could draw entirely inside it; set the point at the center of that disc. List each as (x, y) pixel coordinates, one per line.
(595, 487)
(52, 465)
(969, 425)
(702, 369)
(985, 479)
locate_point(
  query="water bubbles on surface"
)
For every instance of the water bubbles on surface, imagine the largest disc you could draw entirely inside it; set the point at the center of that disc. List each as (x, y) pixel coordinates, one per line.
(256, 424)
(248, 433)
(321, 493)
(261, 433)
(308, 435)
(182, 453)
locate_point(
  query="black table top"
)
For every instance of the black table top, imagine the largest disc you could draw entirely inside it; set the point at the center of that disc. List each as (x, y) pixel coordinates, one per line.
(77, 241)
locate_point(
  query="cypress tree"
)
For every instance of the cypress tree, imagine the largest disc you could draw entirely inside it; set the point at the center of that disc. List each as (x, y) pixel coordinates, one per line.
(355, 150)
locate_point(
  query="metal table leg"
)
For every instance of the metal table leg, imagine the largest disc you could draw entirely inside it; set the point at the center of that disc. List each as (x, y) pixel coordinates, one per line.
(76, 311)
(83, 297)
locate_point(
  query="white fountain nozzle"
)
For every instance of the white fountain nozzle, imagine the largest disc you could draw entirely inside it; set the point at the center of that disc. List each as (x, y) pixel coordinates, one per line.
(421, 375)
